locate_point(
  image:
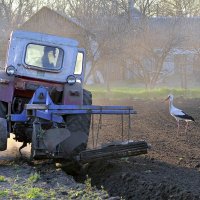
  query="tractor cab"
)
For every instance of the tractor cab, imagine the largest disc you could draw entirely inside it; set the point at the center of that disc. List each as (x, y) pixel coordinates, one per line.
(38, 59)
(45, 57)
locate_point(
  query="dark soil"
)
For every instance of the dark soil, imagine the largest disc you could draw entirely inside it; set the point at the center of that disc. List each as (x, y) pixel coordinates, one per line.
(170, 170)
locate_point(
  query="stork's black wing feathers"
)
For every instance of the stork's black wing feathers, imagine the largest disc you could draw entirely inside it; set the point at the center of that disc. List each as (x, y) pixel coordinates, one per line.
(186, 117)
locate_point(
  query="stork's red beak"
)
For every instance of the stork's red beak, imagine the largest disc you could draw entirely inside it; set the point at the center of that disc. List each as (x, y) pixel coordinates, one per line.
(166, 99)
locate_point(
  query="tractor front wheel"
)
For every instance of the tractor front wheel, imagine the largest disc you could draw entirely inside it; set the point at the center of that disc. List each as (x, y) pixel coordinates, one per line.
(3, 109)
(3, 126)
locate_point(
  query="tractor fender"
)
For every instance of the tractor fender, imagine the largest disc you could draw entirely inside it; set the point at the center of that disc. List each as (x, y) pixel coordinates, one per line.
(6, 87)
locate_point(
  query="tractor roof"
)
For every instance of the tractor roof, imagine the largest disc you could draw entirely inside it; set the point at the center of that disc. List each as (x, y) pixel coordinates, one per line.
(41, 37)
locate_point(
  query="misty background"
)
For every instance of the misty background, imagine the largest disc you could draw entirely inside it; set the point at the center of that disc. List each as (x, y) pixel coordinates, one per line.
(144, 43)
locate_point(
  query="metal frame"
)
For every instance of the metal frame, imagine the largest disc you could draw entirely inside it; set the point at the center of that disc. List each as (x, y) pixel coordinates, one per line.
(42, 106)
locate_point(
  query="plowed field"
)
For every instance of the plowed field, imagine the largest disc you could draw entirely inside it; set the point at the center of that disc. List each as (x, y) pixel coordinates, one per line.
(170, 170)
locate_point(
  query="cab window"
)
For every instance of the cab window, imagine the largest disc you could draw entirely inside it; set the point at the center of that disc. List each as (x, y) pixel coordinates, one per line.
(44, 57)
(79, 63)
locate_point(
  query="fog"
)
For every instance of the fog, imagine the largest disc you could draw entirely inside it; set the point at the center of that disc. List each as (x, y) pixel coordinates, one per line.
(144, 44)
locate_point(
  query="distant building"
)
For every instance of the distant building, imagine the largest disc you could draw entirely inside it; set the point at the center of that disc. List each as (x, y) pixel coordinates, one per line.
(52, 22)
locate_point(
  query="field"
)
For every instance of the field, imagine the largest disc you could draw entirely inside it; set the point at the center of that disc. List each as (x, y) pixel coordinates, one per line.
(170, 170)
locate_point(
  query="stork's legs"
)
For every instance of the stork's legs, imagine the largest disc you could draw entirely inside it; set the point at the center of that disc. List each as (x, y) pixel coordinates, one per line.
(178, 126)
(186, 127)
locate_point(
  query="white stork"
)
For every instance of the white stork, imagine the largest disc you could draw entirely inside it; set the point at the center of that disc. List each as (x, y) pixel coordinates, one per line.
(178, 114)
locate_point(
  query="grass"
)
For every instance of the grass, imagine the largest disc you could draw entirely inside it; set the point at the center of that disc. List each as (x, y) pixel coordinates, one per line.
(28, 192)
(88, 192)
(34, 193)
(26, 189)
(2, 179)
(34, 177)
(141, 93)
(21, 188)
(3, 193)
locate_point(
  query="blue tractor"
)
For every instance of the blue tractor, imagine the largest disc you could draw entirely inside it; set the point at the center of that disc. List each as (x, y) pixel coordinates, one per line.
(42, 101)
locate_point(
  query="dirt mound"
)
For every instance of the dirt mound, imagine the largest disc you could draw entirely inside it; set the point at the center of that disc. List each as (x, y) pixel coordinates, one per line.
(144, 178)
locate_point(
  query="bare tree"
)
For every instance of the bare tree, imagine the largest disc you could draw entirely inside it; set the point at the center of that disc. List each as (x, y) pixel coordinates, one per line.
(102, 21)
(14, 13)
(181, 8)
(148, 8)
(149, 49)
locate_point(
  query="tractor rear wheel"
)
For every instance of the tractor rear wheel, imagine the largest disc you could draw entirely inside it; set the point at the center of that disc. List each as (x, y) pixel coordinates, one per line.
(80, 123)
(3, 126)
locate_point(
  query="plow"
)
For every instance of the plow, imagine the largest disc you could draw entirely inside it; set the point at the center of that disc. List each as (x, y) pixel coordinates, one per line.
(54, 114)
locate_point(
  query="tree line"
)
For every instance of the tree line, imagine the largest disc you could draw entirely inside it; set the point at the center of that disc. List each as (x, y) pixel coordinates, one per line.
(119, 35)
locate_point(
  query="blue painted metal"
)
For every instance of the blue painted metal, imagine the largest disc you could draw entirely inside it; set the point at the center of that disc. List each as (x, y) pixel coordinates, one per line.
(19, 117)
(42, 106)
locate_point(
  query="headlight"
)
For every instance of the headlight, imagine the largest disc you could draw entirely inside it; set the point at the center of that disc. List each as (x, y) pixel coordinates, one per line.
(78, 80)
(4, 81)
(71, 79)
(10, 70)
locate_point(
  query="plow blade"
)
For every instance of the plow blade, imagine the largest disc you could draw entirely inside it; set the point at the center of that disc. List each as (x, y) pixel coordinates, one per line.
(114, 150)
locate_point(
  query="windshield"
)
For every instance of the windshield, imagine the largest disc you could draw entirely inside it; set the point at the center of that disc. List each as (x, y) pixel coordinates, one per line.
(44, 57)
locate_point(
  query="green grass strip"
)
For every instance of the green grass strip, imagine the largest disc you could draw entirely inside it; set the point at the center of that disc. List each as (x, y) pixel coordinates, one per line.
(141, 93)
